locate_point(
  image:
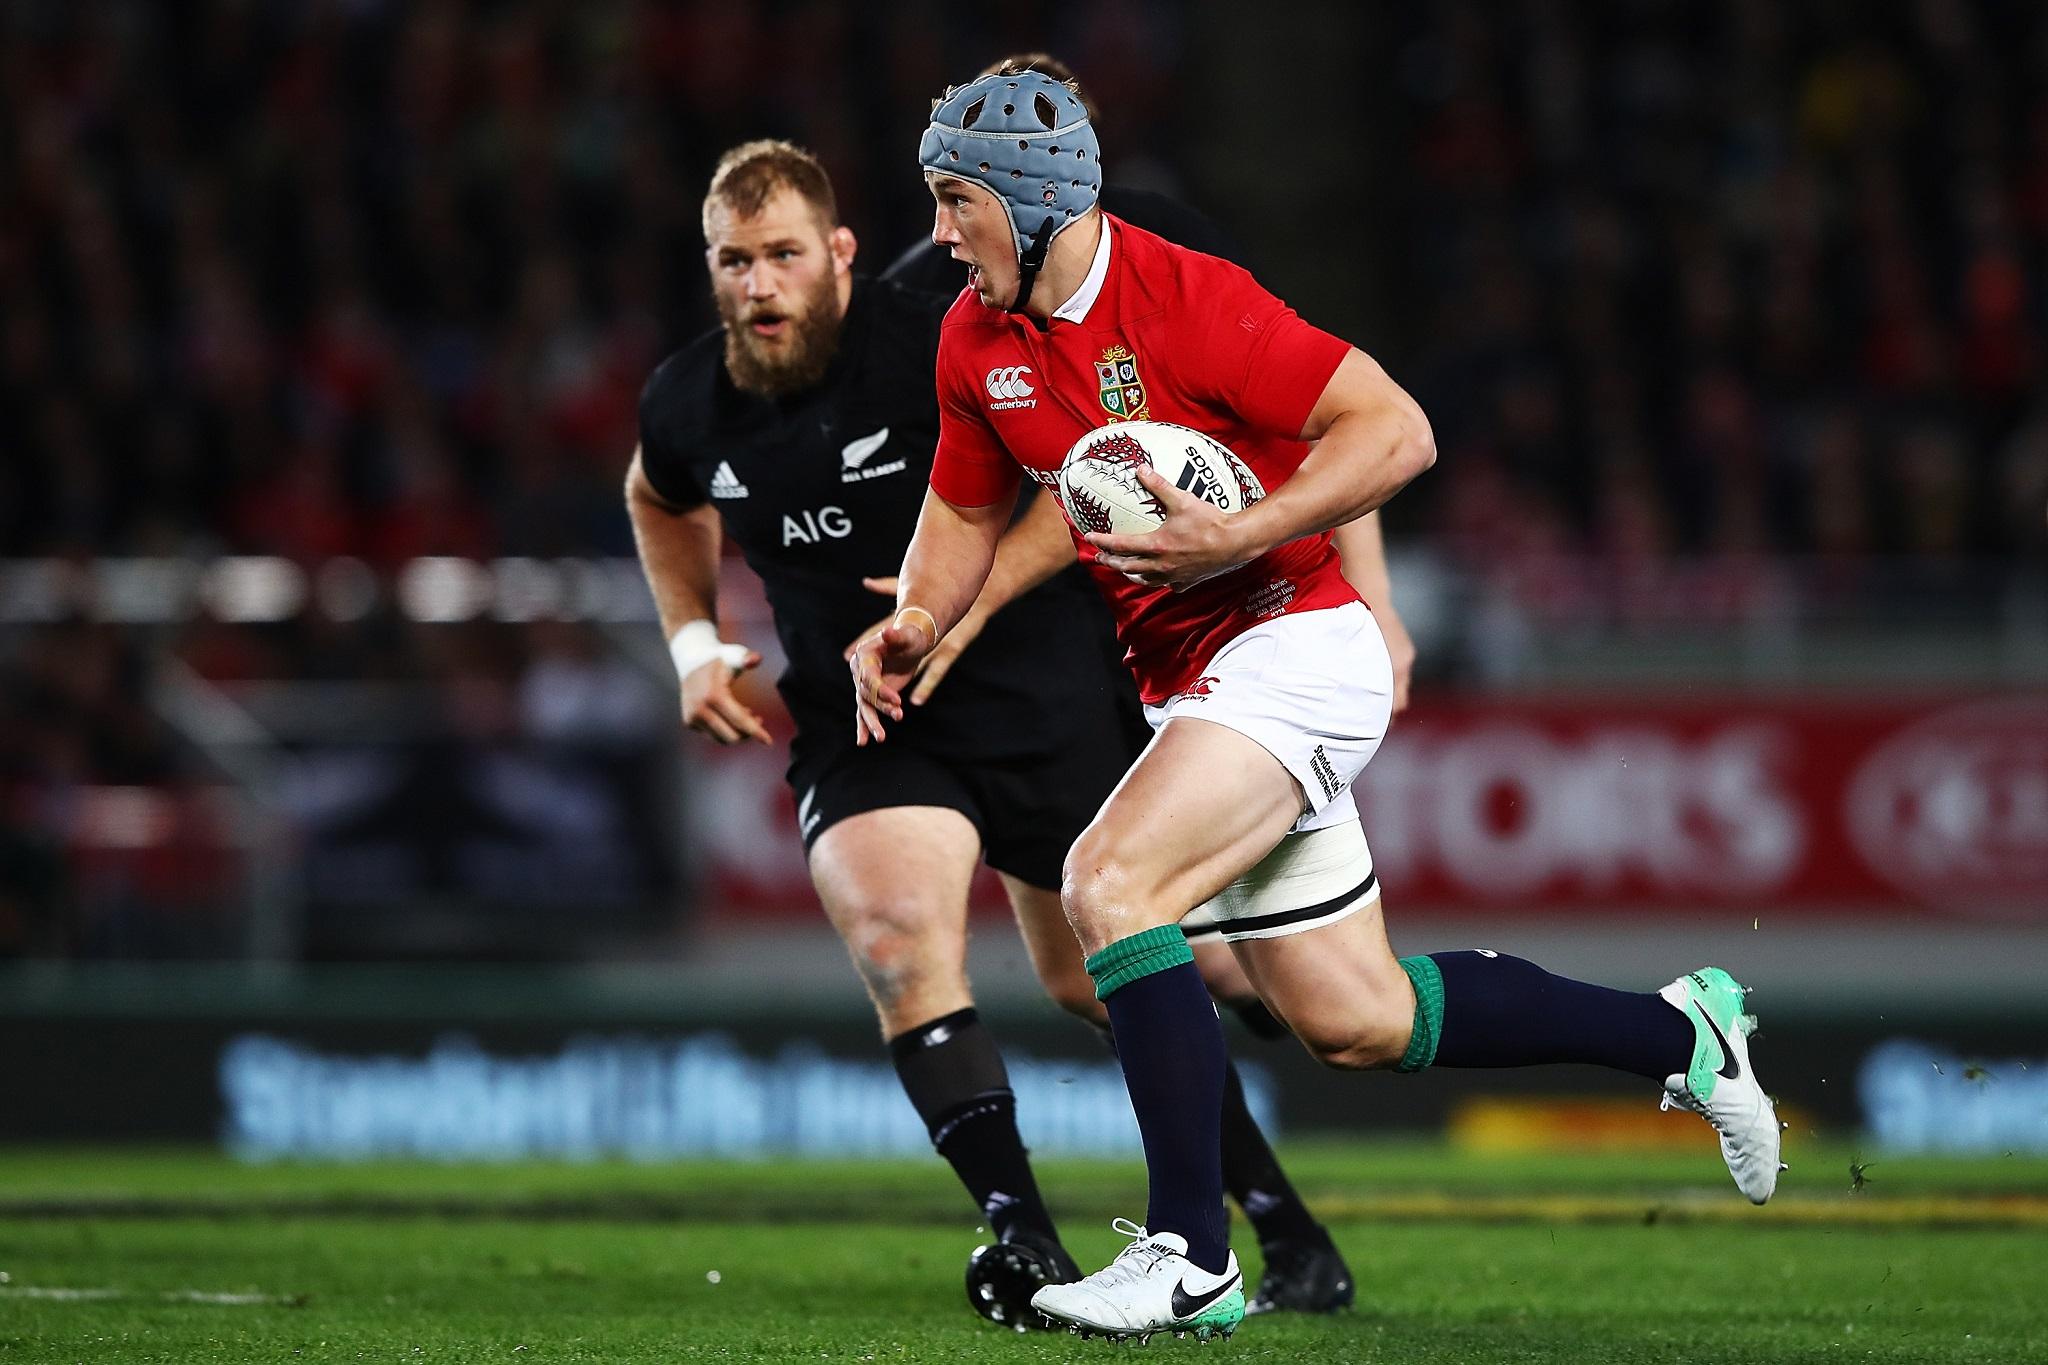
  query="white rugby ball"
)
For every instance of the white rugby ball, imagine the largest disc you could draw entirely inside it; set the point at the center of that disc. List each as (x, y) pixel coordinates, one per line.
(1099, 476)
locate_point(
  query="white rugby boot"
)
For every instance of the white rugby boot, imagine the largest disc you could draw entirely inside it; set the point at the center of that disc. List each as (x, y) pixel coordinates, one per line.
(1150, 1287)
(1720, 1085)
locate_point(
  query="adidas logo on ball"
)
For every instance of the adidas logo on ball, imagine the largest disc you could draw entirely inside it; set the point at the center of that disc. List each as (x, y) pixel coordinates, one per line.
(1099, 475)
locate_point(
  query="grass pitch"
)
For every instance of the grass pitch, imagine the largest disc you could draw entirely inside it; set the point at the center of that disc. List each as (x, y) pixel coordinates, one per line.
(1594, 1258)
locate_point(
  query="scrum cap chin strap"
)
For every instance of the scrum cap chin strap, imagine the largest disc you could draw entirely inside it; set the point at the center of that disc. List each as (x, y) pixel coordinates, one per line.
(1031, 261)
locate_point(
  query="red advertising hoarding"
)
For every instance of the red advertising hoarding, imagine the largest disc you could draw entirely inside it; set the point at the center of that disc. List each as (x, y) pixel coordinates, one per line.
(1816, 805)
(1812, 804)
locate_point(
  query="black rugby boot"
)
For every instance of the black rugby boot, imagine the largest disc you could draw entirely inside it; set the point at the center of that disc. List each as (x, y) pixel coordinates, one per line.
(1303, 1275)
(1002, 1277)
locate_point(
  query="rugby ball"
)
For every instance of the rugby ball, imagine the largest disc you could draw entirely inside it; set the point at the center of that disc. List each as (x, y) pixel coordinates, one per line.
(1099, 476)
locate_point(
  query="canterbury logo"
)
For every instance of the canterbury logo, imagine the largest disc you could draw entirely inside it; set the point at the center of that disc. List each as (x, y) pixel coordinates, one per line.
(1008, 382)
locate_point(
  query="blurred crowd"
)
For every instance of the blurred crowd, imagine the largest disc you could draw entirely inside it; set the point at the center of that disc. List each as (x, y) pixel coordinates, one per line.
(1732, 280)
(384, 279)
(1691, 293)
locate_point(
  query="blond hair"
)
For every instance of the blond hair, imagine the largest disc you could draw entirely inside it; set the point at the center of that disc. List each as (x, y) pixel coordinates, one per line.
(750, 174)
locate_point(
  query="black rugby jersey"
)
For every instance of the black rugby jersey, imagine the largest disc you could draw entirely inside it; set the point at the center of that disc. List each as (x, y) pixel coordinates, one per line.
(821, 488)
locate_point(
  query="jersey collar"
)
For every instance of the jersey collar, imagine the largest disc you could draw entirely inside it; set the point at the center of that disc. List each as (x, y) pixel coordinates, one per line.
(1076, 308)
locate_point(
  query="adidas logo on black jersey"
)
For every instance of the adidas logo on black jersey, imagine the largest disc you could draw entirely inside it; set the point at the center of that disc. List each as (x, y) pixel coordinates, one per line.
(725, 483)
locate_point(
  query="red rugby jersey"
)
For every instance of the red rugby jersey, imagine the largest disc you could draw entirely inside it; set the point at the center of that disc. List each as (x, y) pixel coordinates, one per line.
(1172, 336)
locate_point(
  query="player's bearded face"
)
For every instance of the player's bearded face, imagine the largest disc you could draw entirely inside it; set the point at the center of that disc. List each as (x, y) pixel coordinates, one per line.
(784, 344)
(773, 278)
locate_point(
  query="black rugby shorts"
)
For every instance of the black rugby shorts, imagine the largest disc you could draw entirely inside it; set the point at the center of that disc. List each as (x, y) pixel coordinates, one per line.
(1028, 810)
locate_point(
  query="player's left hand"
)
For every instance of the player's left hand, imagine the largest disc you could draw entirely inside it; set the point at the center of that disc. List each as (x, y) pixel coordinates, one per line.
(1196, 541)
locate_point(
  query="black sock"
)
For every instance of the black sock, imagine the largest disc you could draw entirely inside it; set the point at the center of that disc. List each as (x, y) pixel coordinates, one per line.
(1503, 1011)
(1171, 1045)
(1251, 1169)
(1252, 1174)
(955, 1077)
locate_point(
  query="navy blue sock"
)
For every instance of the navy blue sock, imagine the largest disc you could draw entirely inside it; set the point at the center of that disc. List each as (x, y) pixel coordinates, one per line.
(1504, 1011)
(1170, 1043)
(1251, 1168)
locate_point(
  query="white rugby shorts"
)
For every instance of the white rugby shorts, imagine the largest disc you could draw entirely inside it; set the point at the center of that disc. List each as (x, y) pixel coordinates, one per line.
(1315, 689)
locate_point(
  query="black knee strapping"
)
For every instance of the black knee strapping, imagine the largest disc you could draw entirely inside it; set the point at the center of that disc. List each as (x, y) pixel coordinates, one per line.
(948, 1065)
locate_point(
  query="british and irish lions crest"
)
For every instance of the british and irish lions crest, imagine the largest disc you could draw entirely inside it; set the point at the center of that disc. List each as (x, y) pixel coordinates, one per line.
(1122, 392)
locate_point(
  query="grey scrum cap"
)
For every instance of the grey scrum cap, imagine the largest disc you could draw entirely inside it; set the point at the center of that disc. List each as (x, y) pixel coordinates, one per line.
(1027, 139)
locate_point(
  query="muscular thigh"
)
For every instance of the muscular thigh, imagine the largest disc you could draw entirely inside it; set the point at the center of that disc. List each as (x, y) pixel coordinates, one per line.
(894, 884)
(1197, 810)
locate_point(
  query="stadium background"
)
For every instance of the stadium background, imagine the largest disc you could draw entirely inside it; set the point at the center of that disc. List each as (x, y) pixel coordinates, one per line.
(343, 803)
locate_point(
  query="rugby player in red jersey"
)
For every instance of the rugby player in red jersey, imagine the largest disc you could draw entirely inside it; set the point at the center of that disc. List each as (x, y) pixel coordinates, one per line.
(1264, 674)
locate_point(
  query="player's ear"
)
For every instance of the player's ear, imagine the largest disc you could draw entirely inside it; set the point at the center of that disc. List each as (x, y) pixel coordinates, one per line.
(844, 248)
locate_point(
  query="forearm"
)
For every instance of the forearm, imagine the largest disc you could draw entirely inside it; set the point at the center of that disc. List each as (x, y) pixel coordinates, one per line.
(678, 550)
(1359, 463)
(1035, 548)
(950, 559)
(1363, 552)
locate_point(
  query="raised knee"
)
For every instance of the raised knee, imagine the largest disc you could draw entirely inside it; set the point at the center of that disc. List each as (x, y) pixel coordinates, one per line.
(1085, 879)
(1096, 894)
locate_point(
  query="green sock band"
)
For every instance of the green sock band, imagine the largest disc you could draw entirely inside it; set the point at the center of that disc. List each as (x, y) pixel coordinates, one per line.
(1429, 1012)
(1140, 955)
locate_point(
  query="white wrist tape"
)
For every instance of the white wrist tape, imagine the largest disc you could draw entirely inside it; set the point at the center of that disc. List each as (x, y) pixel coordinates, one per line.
(697, 644)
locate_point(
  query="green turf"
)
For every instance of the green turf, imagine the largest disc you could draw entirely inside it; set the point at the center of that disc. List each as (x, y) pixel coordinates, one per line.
(916, 1190)
(611, 1262)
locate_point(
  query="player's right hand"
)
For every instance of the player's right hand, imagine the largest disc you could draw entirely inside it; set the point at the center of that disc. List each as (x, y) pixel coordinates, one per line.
(881, 666)
(710, 706)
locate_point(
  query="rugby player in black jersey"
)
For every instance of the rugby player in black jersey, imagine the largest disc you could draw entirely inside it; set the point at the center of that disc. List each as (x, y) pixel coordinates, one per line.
(804, 428)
